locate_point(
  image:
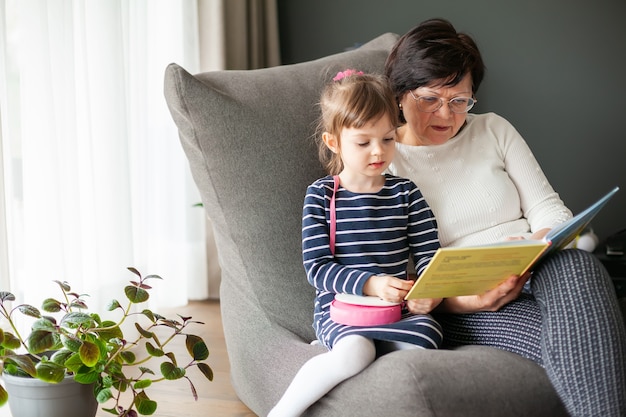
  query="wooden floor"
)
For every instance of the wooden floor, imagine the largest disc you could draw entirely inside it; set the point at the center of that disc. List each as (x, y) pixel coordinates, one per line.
(215, 398)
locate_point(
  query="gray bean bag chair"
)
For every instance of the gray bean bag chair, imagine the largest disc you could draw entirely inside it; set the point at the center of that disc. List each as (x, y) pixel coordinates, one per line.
(248, 138)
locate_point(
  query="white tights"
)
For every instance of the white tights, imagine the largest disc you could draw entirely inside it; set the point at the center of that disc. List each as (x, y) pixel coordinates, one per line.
(323, 372)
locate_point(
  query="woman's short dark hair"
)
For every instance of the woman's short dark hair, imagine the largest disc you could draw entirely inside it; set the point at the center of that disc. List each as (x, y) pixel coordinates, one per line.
(433, 52)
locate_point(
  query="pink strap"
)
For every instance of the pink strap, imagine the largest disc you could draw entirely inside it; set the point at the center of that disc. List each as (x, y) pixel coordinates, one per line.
(333, 215)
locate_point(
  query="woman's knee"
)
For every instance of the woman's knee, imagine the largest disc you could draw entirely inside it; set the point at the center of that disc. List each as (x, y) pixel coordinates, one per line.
(570, 269)
(570, 263)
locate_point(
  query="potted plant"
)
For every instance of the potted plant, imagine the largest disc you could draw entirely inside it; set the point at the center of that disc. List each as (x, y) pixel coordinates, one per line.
(81, 347)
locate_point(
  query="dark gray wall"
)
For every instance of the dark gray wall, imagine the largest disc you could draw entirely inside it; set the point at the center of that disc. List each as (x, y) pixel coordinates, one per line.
(555, 69)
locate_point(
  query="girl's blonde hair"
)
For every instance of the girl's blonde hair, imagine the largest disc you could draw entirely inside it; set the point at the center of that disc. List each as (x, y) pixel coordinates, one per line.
(352, 100)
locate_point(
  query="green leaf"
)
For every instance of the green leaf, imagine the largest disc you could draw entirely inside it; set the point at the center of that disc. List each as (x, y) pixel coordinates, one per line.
(23, 362)
(78, 303)
(121, 385)
(112, 331)
(145, 370)
(107, 381)
(45, 324)
(89, 353)
(152, 351)
(145, 406)
(29, 310)
(86, 375)
(61, 356)
(128, 356)
(73, 363)
(114, 368)
(76, 319)
(49, 319)
(1, 337)
(194, 392)
(117, 342)
(143, 332)
(135, 294)
(152, 277)
(65, 287)
(171, 371)
(142, 384)
(71, 343)
(4, 396)
(50, 372)
(206, 370)
(149, 314)
(196, 347)
(41, 340)
(134, 271)
(10, 341)
(103, 395)
(6, 296)
(172, 357)
(170, 323)
(51, 305)
(113, 304)
(96, 318)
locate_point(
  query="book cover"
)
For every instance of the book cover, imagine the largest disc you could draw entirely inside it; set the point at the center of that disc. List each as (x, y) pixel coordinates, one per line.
(456, 271)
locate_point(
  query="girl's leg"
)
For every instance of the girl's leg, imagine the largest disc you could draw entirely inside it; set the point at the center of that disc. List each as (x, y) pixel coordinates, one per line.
(584, 340)
(384, 347)
(349, 356)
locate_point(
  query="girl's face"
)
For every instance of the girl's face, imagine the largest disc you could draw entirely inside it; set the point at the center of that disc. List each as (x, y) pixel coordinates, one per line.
(435, 128)
(366, 152)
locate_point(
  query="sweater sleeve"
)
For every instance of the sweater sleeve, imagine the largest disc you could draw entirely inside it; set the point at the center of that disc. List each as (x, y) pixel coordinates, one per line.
(322, 271)
(540, 203)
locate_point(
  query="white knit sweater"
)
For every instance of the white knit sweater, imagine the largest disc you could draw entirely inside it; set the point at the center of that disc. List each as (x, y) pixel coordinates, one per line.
(482, 185)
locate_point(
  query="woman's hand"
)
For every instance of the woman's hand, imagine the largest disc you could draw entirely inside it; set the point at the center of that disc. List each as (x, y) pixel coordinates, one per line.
(422, 305)
(492, 300)
(387, 287)
(538, 235)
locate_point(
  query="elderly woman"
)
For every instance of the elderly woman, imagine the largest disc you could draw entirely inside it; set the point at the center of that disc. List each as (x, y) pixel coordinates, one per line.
(483, 185)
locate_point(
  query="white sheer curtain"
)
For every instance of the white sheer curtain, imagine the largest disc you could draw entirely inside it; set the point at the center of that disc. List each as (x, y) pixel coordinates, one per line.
(94, 177)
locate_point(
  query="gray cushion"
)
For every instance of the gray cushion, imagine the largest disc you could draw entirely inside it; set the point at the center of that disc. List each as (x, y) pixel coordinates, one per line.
(248, 138)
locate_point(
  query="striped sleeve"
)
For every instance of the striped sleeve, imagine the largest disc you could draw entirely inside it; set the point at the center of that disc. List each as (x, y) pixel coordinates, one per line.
(422, 230)
(323, 272)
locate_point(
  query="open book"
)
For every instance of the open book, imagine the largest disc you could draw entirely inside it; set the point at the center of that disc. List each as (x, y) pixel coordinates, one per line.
(455, 271)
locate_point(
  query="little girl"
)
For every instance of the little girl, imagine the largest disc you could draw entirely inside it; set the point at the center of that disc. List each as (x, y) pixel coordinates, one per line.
(381, 220)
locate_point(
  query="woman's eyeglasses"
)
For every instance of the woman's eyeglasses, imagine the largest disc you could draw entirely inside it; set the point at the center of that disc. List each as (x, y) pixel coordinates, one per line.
(430, 104)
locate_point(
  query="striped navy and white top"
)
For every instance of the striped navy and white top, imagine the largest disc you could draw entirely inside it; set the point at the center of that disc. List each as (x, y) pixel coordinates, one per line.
(375, 234)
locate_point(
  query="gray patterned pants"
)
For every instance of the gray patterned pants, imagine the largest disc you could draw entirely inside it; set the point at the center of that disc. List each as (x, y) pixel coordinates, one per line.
(571, 325)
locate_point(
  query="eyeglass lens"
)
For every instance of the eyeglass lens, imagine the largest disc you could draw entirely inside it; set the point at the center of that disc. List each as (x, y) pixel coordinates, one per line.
(431, 104)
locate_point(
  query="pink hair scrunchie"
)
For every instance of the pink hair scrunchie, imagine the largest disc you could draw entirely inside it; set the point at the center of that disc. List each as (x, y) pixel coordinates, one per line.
(343, 74)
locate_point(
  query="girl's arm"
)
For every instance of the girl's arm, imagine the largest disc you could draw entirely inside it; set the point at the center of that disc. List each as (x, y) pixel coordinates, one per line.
(424, 242)
(322, 271)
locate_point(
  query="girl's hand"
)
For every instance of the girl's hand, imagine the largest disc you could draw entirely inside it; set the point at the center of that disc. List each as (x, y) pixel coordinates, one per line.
(492, 300)
(423, 305)
(387, 287)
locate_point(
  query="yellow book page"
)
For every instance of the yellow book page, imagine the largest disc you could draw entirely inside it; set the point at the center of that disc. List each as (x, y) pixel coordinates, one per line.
(474, 270)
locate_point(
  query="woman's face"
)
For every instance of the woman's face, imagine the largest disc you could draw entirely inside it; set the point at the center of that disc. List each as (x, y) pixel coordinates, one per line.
(436, 128)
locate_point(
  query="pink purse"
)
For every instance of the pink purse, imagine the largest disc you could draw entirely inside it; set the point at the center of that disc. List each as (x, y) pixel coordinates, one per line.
(357, 310)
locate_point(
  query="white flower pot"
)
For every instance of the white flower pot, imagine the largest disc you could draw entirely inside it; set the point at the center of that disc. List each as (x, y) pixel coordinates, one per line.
(30, 397)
